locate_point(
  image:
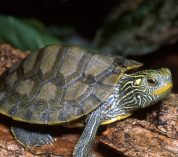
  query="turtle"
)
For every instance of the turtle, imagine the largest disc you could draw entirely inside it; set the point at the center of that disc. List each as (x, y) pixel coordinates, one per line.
(73, 86)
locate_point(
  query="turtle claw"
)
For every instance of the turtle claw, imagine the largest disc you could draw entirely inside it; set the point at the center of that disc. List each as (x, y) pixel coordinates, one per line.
(31, 139)
(43, 139)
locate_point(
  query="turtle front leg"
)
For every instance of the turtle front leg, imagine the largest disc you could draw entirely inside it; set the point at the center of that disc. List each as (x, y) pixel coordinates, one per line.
(83, 147)
(29, 138)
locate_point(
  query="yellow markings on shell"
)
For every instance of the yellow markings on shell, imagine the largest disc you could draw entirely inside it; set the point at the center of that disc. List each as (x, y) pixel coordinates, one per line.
(4, 113)
(120, 117)
(80, 124)
(163, 89)
(134, 66)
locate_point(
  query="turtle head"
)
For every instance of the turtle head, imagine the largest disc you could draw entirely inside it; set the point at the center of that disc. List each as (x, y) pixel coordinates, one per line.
(144, 88)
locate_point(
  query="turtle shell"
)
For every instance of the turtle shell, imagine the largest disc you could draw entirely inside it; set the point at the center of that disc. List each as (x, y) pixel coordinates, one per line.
(58, 84)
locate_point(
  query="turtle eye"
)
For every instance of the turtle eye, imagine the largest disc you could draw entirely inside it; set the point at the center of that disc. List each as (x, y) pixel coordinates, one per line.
(152, 81)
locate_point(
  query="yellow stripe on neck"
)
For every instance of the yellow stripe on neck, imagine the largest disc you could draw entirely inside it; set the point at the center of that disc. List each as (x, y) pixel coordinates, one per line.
(163, 89)
(120, 117)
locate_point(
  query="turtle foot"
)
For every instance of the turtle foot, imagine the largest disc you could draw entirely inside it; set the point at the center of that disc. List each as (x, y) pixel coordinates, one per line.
(31, 139)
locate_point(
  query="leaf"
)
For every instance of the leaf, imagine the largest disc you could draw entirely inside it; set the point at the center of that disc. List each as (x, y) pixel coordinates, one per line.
(24, 34)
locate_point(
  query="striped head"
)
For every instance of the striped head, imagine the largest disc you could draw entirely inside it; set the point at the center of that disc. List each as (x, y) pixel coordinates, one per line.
(144, 88)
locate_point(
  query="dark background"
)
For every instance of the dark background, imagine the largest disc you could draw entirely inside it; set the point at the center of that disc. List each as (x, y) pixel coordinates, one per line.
(84, 15)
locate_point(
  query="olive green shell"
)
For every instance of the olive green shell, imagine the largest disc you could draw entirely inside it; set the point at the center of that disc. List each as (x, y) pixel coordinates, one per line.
(59, 84)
